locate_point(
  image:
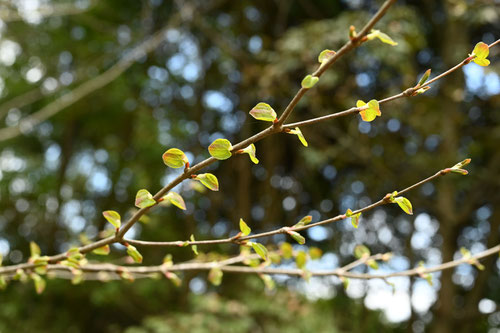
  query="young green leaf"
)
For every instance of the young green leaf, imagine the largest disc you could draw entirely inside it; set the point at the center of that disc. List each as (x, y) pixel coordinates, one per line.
(345, 281)
(112, 217)
(215, 276)
(405, 205)
(457, 168)
(309, 81)
(298, 237)
(175, 199)
(371, 111)
(245, 229)
(175, 158)
(298, 132)
(354, 217)
(268, 281)
(303, 221)
(259, 249)
(39, 283)
(263, 111)
(315, 253)
(381, 36)
(250, 150)
(144, 199)
(424, 77)
(102, 251)
(372, 263)
(481, 51)
(220, 149)
(286, 250)
(134, 254)
(325, 55)
(361, 251)
(301, 259)
(173, 278)
(193, 247)
(209, 180)
(34, 250)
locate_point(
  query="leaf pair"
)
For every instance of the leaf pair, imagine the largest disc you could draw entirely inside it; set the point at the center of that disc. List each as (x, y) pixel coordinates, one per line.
(369, 111)
(221, 150)
(480, 52)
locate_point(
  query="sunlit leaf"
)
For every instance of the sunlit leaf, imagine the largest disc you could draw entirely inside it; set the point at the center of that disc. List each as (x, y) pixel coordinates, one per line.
(381, 36)
(263, 111)
(259, 249)
(175, 199)
(209, 180)
(34, 250)
(315, 253)
(325, 55)
(481, 51)
(299, 134)
(286, 250)
(372, 110)
(301, 259)
(405, 205)
(144, 199)
(361, 251)
(303, 221)
(112, 217)
(354, 217)
(250, 150)
(424, 77)
(134, 253)
(309, 81)
(457, 168)
(175, 158)
(215, 276)
(102, 251)
(298, 237)
(39, 282)
(245, 229)
(220, 149)
(193, 247)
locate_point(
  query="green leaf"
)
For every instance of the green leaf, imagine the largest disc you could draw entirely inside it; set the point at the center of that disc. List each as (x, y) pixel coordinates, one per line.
(301, 259)
(144, 199)
(175, 158)
(263, 111)
(102, 251)
(354, 217)
(315, 253)
(173, 278)
(193, 247)
(298, 132)
(309, 81)
(325, 55)
(405, 205)
(175, 199)
(250, 150)
(259, 249)
(361, 251)
(39, 283)
(245, 229)
(298, 237)
(372, 263)
(209, 180)
(457, 167)
(481, 51)
(134, 254)
(167, 260)
(268, 281)
(424, 77)
(3, 283)
(215, 276)
(113, 217)
(286, 250)
(381, 36)
(220, 149)
(303, 221)
(35, 250)
(371, 111)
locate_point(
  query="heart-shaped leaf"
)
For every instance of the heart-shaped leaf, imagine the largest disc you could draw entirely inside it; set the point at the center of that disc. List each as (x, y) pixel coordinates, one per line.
(220, 149)
(309, 81)
(209, 180)
(144, 199)
(175, 158)
(370, 111)
(325, 55)
(112, 217)
(405, 205)
(481, 51)
(263, 111)
(102, 251)
(175, 199)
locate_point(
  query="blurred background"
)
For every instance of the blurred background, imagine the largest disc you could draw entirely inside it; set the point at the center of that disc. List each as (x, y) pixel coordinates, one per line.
(87, 110)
